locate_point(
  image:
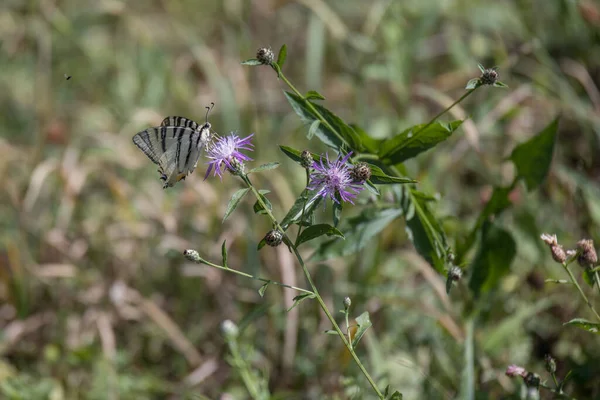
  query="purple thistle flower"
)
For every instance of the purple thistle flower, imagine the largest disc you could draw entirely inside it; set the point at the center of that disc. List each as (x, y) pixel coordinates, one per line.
(224, 151)
(333, 178)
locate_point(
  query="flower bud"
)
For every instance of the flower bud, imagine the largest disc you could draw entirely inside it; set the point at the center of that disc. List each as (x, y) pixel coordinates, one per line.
(229, 329)
(550, 363)
(192, 255)
(489, 76)
(361, 172)
(587, 253)
(307, 160)
(274, 237)
(265, 55)
(347, 302)
(237, 167)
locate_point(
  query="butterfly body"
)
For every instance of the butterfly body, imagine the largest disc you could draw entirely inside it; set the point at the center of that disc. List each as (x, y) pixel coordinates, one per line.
(175, 146)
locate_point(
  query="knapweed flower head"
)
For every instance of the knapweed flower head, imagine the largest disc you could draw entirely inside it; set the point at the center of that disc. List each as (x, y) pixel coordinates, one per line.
(225, 154)
(587, 253)
(334, 179)
(265, 55)
(558, 253)
(514, 370)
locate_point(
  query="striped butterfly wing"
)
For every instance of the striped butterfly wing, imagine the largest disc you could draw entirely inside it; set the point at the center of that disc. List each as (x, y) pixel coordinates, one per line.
(175, 147)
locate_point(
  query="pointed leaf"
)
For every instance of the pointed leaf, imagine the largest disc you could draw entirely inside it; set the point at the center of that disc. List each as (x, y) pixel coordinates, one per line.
(423, 228)
(325, 132)
(258, 208)
(264, 167)
(532, 158)
(263, 288)
(473, 84)
(306, 200)
(300, 298)
(359, 231)
(500, 85)
(381, 178)
(314, 231)
(496, 251)
(415, 140)
(589, 326)
(371, 145)
(330, 332)
(251, 61)
(235, 200)
(567, 378)
(364, 323)
(396, 396)
(312, 94)
(296, 155)
(282, 56)
(481, 68)
(313, 129)
(224, 253)
(261, 244)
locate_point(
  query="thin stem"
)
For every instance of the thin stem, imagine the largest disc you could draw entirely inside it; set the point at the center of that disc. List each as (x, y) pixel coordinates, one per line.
(583, 296)
(243, 370)
(464, 96)
(597, 279)
(554, 379)
(303, 206)
(245, 275)
(560, 394)
(348, 327)
(315, 291)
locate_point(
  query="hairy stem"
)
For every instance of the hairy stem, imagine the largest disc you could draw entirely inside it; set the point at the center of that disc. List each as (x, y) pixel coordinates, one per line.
(583, 296)
(315, 291)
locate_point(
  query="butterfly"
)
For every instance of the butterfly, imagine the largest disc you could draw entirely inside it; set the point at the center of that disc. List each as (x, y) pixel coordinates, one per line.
(175, 146)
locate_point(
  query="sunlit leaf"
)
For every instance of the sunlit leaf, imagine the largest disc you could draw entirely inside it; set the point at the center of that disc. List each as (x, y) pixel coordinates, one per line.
(314, 95)
(381, 178)
(282, 56)
(364, 322)
(251, 61)
(258, 208)
(300, 298)
(224, 253)
(263, 288)
(589, 326)
(235, 201)
(264, 167)
(315, 231)
(473, 84)
(313, 129)
(415, 140)
(306, 200)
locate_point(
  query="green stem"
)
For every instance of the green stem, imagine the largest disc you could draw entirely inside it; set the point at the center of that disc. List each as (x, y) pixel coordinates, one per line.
(464, 96)
(303, 206)
(243, 370)
(583, 296)
(315, 291)
(554, 379)
(245, 275)
(597, 279)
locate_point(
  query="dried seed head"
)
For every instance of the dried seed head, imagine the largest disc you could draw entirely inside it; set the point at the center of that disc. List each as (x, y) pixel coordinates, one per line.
(455, 273)
(347, 302)
(192, 255)
(274, 238)
(265, 55)
(489, 76)
(587, 253)
(307, 160)
(361, 172)
(550, 363)
(558, 253)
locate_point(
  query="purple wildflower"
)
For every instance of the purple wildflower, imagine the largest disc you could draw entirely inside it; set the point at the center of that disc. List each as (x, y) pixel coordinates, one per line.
(514, 370)
(225, 150)
(333, 178)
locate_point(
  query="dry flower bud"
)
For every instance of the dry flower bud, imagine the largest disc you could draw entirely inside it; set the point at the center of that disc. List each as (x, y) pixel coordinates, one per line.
(587, 253)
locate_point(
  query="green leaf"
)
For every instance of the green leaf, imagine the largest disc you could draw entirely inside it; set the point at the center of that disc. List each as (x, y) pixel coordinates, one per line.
(258, 208)
(415, 140)
(562, 384)
(481, 68)
(473, 84)
(261, 244)
(251, 61)
(370, 144)
(264, 167)
(532, 158)
(224, 253)
(396, 396)
(423, 228)
(364, 323)
(324, 132)
(381, 178)
(314, 231)
(263, 288)
(496, 251)
(330, 332)
(313, 129)
(589, 326)
(235, 200)
(296, 155)
(282, 56)
(300, 298)
(295, 213)
(500, 84)
(359, 230)
(312, 94)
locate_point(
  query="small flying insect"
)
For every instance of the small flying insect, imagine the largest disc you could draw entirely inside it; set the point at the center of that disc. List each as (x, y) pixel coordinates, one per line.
(67, 77)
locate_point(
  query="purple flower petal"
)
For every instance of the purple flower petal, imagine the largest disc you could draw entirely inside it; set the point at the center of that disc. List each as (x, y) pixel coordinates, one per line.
(334, 178)
(224, 150)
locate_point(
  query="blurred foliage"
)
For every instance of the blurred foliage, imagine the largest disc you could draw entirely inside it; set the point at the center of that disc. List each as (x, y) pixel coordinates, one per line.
(97, 301)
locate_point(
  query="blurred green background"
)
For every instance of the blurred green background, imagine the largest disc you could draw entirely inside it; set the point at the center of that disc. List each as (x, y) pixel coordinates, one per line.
(97, 301)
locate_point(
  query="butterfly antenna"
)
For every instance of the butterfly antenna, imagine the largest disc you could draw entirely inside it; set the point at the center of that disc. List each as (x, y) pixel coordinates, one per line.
(208, 109)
